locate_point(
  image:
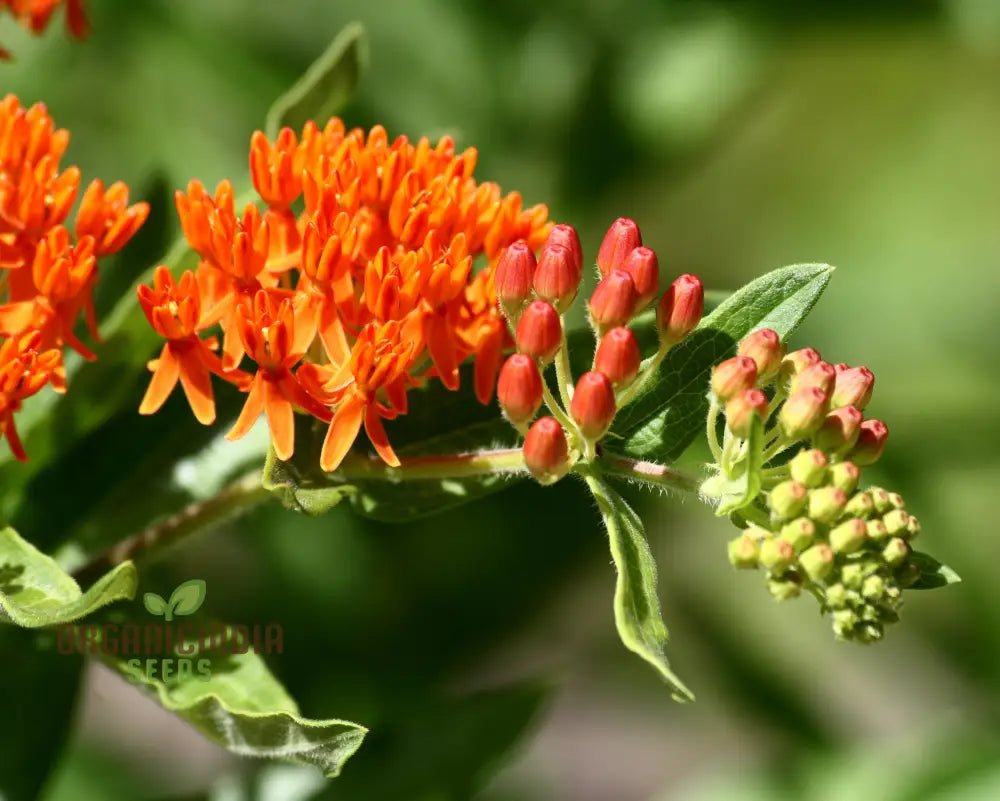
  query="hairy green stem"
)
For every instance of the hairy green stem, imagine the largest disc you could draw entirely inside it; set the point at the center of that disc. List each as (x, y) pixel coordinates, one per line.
(650, 473)
(458, 465)
(564, 374)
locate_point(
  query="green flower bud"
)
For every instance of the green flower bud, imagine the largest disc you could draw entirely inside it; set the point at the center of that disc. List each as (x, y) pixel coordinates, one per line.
(877, 530)
(853, 574)
(826, 504)
(776, 554)
(912, 527)
(895, 522)
(784, 589)
(836, 596)
(861, 505)
(800, 533)
(873, 588)
(849, 536)
(881, 499)
(787, 499)
(803, 413)
(817, 562)
(896, 552)
(743, 552)
(844, 621)
(870, 632)
(809, 467)
(845, 476)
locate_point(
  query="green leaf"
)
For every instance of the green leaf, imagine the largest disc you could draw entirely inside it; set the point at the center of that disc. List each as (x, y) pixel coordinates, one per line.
(739, 489)
(35, 591)
(154, 604)
(670, 411)
(188, 597)
(235, 701)
(326, 86)
(637, 607)
(933, 574)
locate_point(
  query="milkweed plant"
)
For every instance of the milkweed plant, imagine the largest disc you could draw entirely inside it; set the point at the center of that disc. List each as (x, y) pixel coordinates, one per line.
(364, 279)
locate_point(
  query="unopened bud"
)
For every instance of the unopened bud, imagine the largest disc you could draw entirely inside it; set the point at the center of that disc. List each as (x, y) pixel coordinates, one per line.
(896, 552)
(621, 239)
(787, 499)
(844, 621)
(593, 404)
(733, 376)
(860, 505)
(764, 346)
(845, 476)
(897, 500)
(743, 408)
(896, 522)
(644, 268)
(546, 451)
(515, 271)
(870, 444)
(776, 554)
(853, 575)
(679, 310)
(877, 530)
(809, 467)
(849, 536)
(613, 300)
(853, 387)
(881, 499)
(557, 277)
(836, 596)
(618, 357)
(784, 589)
(802, 413)
(840, 430)
(795, 362)
(519, 388)
(818, 374)
(826, 504)
(912, 527)
(800, 533)
(817, 562)
(539, 331)
(743, 552)
(565, 235)
(873, 588)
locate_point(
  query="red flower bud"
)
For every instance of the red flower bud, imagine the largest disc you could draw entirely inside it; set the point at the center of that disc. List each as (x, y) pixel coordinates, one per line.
(539, 331)
(795, 362)
(839, 430)
(733, 376)
(565, 235)
(546, 451)
(519, 388)
(803, 413)
(621, 239)
(853, 387)
(593, 405)
(513, 277)
(680, 309)
(613, 301)
(618, 357)
(870, 444)
(765, 347)
(818, 374)
(644, 268)
(557, 277)
(742, 408)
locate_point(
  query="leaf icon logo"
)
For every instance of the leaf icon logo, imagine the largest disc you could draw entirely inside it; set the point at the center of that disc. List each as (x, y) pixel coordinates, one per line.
(185, 600)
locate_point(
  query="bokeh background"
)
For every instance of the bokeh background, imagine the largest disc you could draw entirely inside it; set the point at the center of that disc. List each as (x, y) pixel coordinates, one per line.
(479, 645)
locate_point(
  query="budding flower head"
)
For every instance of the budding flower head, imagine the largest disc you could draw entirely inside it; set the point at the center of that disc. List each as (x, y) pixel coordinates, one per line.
(826, 504)
(848, 536)
(539, 331)
(853, 387)
(621, 239)
(644, 268)
(817, 562)
(565, 235)
(514, 274)
(680, 309)
(618, 357)
(788, 499)
(593, 404)
(809, 467)
(802, 413)
(870, 444)
(845, 476)
(733, 376)
(743, 552)
(764, 346)
(795, 362)
(613, 300)
(519, 388)
(546, 451)
(821, 375)
(557, 276)
(742, 408)
(840, 430)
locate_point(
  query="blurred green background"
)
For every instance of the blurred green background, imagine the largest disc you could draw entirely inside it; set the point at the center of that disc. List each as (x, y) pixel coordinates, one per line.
(479, 645)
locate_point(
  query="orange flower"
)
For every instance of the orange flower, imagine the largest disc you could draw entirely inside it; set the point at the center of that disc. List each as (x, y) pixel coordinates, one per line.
(35, 14)
(372, 283)
(47, 276)
(24, 370)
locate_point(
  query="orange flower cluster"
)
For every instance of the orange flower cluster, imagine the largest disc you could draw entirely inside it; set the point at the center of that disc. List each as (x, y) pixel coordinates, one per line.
(354, 285)
(35, 14)
(47, 274)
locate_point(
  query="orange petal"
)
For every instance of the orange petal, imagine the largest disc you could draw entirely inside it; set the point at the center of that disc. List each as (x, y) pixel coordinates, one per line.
(165, 376)
(342, 432)
(197, 385)
(9, 430)
(280, 419)
(442, 349)
(488, 356)
(251, 410)
(376, 433)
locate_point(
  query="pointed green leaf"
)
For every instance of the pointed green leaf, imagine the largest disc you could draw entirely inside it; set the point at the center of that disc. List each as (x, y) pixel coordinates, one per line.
(325, 87)
(670, 411)
(734, 492)
(188, 597)
(637, 606)
(234, 700)
(154, 603)
(35, 591)
(933, 574)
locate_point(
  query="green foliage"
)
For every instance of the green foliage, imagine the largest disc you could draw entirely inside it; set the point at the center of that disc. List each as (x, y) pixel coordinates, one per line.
(933, 574)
